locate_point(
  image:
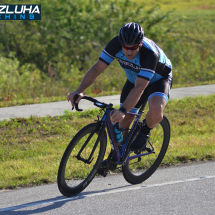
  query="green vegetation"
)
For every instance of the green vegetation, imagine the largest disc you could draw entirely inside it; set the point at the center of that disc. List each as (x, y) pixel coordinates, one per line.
(31, 149)
(37, 100)
(49, 58)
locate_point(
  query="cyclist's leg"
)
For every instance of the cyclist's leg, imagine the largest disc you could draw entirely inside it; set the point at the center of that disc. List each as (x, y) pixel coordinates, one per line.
(126, 122)
(156, 108)
(157, 95)
(139, 169)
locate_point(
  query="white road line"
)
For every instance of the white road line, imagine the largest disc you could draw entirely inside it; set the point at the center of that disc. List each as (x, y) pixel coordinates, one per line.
(103, 193)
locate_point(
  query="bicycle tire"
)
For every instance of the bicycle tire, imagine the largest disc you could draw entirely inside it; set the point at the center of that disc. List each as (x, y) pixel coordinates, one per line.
(74, 175)
(137, 172)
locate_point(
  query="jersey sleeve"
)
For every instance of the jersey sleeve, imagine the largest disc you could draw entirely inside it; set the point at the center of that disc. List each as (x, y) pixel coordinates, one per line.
(148, 63)
(112, 48)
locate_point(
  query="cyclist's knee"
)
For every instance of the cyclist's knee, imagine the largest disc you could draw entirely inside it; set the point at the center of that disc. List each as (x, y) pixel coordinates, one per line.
(156, 111)
(157, 105)
(156, 108)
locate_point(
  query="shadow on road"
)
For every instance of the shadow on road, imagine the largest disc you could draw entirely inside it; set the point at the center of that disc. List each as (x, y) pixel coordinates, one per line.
(54, 203)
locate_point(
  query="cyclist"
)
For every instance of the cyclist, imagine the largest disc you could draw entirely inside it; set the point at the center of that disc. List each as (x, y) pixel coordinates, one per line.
(149, 77)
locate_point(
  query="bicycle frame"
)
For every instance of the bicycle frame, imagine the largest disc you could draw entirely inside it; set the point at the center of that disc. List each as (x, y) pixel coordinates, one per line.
(122, 155)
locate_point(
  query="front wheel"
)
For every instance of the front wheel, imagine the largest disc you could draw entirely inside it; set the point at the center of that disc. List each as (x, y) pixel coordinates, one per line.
(76, 170)
(137, 170)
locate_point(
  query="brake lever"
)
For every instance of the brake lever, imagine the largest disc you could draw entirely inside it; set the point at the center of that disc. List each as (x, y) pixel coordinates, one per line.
(76, 104)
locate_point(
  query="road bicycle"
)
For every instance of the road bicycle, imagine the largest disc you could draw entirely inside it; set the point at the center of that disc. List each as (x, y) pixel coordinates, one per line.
(86, 151)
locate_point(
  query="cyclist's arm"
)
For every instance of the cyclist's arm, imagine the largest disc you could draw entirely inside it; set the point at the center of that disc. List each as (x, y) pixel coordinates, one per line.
(131, 100)
(135, 94)
(92, 75)
(88, 80)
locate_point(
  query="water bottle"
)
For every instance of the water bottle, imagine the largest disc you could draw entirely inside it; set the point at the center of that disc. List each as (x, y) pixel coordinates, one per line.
(119, 135)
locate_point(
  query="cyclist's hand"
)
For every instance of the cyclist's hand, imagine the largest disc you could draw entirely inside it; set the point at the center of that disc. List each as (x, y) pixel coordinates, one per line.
(70, 97)
(117, 116)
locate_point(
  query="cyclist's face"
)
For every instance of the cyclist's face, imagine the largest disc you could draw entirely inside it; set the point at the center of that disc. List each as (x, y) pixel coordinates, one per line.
(129, 53)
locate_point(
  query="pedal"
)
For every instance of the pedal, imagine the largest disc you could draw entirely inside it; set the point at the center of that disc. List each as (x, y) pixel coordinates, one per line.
(145, 149)
(140, 151)
(137, 152)
(149, 150)
(103, 173)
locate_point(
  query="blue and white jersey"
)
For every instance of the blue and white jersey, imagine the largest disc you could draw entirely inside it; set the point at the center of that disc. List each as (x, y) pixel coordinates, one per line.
(150, 63)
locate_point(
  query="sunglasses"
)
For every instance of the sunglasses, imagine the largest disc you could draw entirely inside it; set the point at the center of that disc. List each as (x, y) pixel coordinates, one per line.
(130, 48)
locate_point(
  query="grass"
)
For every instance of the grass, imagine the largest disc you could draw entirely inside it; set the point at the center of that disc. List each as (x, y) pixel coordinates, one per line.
(193, 130)
(31, 149)
(181, 5)
(38, 100)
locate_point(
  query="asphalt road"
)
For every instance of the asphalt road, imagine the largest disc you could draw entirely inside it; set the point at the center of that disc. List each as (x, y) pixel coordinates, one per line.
(187, 189)
(58, 108)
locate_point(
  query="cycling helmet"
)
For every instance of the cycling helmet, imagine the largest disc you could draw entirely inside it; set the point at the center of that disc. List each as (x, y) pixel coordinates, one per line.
(130, 34)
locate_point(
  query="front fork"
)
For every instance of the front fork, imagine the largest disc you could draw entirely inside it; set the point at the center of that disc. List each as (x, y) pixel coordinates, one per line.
(90, 159)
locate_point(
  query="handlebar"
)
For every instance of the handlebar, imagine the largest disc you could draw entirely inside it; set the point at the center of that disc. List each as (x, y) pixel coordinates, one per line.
(98, 104)
(95, 102)
(84, 97)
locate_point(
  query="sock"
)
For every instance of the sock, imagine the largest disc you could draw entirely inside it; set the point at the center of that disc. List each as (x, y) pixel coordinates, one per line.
(145, 129)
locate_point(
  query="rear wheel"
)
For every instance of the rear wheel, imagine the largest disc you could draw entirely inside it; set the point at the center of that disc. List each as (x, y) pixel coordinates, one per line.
(76, 171)
(139, 169)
